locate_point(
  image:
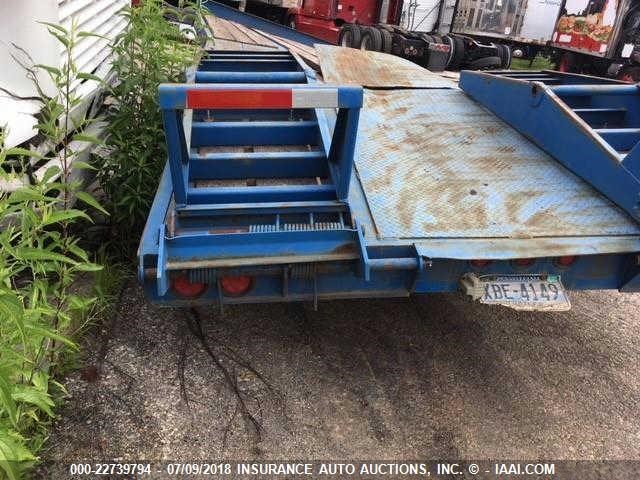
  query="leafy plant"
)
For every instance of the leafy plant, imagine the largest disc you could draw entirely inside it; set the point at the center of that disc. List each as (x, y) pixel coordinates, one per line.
(40, 258)
(150, 51)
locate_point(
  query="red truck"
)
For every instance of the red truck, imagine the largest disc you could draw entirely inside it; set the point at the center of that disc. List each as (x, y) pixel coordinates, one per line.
(375, 25)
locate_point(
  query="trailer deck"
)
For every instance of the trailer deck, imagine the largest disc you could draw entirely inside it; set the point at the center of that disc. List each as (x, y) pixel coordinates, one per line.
(437, 169)
(280, 188)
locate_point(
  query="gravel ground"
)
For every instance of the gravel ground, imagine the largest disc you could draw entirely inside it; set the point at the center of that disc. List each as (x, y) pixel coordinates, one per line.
(422, 378)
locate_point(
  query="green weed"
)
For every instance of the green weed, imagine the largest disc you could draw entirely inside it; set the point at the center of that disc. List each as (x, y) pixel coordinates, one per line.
(149, 52)
(40, 259)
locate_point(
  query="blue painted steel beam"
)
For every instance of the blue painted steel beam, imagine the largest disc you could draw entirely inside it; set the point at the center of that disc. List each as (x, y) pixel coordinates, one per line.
(621, 139)
(262, 208)
(177, 152)
(150, 236)
(293, 193)
(269, 65)
(248, 20)
(342, 149)
(594, 89)
(537, 112)
(258, 165)
(253, 62)
(250, 77)
(254, 133)
(261, 247)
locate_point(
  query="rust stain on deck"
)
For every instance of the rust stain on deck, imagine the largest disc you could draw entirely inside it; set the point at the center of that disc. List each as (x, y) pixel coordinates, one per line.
(374, 69)
(422, 152)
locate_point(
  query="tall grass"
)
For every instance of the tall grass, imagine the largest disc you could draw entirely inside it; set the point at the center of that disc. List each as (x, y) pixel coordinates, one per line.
(40, 258)
(149, 52)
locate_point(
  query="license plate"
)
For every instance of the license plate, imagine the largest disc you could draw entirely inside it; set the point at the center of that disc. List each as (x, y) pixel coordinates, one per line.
(521, 292)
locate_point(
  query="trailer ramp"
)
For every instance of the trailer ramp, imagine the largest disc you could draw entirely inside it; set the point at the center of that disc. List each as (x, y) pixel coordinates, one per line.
(256, 178)
(590, 125)
(438, 170)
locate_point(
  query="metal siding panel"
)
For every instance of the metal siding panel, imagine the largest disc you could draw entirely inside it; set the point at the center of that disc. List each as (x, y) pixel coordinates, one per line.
(435, 164)
(95, 16)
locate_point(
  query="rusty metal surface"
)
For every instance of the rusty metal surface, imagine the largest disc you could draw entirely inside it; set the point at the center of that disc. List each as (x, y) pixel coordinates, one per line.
(374, 69)
(434, 164)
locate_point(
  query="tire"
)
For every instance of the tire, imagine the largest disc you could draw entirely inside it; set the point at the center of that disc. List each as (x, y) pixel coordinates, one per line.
(505, 56)
(629, 74)
(566, 63)
(485, 62)
(350, 36)
(371, 39)
(291, 22)
(387, 41)
(457, 57)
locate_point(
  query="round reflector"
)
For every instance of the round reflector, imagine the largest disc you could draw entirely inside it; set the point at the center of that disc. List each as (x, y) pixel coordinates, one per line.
(234, 286)
(566, 261)
(185, 288)
(524, 262)
(480, 263)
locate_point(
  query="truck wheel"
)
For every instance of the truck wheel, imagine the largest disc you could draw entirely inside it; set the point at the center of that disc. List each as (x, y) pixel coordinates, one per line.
(387, 41)
(566, 63)
(457, 44)
(371, 39)
(504, 52)
(485, 62)
(629, 74)
(350, 36)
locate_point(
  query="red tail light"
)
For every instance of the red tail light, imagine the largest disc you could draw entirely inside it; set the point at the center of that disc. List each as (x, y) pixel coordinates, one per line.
(524, 262)
(480, 263)
(566, 261)
(235, 286)
(186, 288)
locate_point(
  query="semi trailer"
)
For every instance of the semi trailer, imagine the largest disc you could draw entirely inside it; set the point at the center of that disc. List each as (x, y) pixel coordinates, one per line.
(597, 37)
(387, 180)
(379, 26)
(584, 36)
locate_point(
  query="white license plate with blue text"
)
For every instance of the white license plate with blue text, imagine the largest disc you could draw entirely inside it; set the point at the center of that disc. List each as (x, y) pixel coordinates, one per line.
(522, 292)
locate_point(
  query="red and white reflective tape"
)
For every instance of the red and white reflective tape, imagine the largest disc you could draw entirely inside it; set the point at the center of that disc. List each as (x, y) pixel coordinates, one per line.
(245, 99)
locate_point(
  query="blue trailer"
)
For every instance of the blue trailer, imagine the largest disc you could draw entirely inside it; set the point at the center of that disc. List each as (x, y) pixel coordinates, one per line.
(385, 180)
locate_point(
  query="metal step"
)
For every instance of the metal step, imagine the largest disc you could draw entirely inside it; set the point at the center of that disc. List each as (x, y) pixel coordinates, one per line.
(250, 77)
(258, 165)
(254, 133)
(602, 117)
(621, 139)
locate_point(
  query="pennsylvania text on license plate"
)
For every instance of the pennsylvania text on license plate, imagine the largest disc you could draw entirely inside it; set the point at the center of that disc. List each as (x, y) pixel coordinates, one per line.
(522, 292)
